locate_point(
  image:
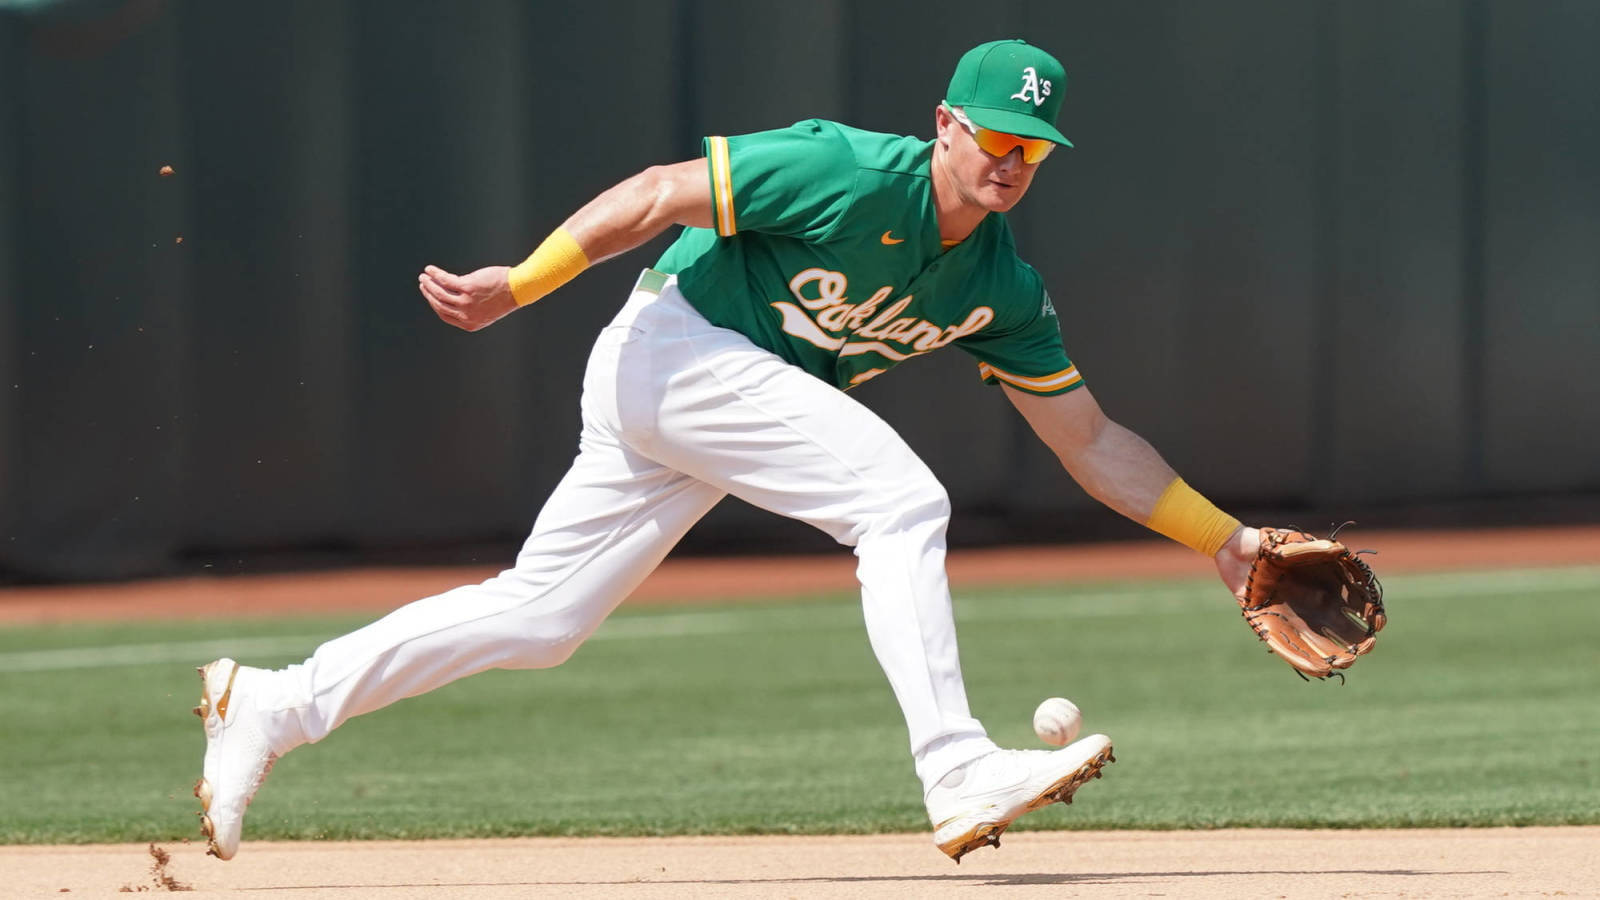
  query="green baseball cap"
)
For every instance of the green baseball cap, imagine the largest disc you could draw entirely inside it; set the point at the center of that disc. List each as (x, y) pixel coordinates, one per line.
(1010, 86)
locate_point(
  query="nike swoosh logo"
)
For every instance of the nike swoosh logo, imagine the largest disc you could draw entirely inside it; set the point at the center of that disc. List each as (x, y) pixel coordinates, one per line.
(891, 241)
(222, 705)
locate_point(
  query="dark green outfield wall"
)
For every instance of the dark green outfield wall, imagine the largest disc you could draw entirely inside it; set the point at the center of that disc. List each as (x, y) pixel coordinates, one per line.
(1331, 257)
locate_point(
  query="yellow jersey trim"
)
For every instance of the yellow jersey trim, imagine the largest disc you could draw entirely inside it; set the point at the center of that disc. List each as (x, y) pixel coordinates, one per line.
(722, 186)
(1067, 377)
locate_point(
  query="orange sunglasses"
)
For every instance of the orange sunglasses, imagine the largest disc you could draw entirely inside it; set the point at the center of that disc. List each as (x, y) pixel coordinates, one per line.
(998, 143)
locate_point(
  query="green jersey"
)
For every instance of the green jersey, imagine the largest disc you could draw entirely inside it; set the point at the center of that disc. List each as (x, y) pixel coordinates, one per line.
(827, 253)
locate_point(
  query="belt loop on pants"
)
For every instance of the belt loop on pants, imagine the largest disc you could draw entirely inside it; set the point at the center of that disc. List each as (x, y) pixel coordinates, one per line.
(651, 282)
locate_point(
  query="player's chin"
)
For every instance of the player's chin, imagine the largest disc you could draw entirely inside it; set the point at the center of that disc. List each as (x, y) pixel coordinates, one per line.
(1000, 197)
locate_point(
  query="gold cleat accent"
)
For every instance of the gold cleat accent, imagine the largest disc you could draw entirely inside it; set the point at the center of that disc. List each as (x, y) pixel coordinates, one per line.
(237, 759)
(1062, 791)
(988, 835)
(210, 832)
(227, 693)
(202, 788)
(985, 836)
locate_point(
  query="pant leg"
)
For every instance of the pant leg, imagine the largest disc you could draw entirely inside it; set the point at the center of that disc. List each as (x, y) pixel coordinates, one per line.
(605, 527)
(745, 421)
(677, 412)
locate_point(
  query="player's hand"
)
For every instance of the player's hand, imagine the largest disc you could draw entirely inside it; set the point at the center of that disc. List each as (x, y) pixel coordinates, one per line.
(1234, 559)
(471, 301)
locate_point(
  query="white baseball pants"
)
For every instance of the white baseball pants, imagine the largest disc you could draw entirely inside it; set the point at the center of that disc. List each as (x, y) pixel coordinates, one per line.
(676, 414)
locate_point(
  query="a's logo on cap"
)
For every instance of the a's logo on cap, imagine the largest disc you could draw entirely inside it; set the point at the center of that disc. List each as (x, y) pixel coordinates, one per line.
(1032, 88)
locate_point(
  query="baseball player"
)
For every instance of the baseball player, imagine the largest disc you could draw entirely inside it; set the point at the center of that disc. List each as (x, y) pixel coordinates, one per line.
(812, 259)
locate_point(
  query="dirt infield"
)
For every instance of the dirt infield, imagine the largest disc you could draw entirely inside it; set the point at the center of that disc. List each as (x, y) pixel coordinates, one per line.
(1202, 864)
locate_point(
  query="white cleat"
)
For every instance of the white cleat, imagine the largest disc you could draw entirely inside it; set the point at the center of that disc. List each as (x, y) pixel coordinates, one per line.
(238, 757)
(975, 803)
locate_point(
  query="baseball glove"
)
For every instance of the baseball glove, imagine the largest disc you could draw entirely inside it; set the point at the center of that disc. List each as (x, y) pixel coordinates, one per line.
(1315, 603)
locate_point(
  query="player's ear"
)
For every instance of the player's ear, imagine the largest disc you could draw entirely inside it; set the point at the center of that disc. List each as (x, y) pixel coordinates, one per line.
(942, 122)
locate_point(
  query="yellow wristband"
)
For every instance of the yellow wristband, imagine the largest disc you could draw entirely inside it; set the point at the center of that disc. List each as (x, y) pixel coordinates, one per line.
(1190, 519)
(557, 261)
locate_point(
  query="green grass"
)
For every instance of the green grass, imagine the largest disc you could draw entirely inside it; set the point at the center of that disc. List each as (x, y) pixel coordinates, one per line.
(1481, 706)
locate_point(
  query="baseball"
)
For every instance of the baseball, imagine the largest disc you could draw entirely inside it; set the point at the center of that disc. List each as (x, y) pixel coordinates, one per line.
(1057, 721)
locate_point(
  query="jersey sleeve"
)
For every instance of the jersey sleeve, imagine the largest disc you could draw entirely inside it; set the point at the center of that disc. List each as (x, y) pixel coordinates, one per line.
(794, 181)
(1026, 354)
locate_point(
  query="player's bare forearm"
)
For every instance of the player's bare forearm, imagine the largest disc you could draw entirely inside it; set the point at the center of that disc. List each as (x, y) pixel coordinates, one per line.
(620, 219)
(1119, 468)
(1116, 466)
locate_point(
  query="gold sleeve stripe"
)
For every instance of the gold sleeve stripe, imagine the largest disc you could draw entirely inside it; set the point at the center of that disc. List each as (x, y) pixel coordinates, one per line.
(722, 186)
(1064, 378)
